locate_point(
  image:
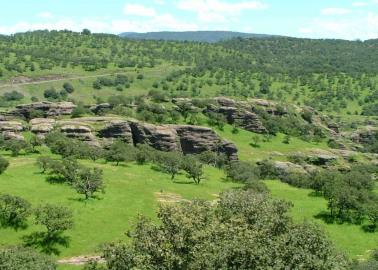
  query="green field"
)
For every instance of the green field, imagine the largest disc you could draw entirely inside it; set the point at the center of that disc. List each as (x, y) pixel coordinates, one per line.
(348, 238)
(129, 191)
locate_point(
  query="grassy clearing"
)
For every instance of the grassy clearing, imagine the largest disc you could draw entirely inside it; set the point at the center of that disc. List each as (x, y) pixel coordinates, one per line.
(130, 190)
(265, 150)
(348, 238)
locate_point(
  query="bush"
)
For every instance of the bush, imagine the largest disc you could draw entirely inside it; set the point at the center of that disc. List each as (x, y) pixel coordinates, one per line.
(51, 93)
(68, 87)
(13, 96)
(20, 258)
(3, 164)
(14, 211)
(243, 172)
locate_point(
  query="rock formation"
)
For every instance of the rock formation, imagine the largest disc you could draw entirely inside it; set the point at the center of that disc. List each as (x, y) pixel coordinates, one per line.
(45, 109)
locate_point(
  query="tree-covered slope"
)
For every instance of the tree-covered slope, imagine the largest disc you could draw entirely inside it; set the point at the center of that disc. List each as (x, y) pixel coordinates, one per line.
(195, 36)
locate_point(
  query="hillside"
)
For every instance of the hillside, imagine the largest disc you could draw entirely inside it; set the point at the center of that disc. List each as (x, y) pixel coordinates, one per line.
(112, 128)
(192, 36)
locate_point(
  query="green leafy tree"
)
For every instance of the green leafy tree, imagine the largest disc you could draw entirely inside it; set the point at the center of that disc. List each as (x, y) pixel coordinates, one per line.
(245, 230)
(193, 167)
(88, 182)
(55, 218)
(14, 211)
(170, 162)
(20, 258)
(3, 164)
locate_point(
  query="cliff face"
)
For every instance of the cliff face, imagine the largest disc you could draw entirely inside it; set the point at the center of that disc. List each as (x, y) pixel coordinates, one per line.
(185, 138)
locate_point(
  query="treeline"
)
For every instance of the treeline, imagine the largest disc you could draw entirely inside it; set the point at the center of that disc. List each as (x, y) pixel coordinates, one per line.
(301, 56)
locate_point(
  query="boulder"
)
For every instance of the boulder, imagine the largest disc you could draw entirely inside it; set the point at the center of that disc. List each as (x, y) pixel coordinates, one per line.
(245, 119)
(100, 107)
(11, 126)
(229, 149)
(197, 139)
(117, 129)
(225, 102)
(364, 135)
(163, 138)
(320, 157)
(288, 167)
(41, 126)
(77, 131)
(47, 109)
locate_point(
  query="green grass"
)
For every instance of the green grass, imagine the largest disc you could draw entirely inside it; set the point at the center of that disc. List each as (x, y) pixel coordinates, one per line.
(348, 238)
(129, 191)
(246, 152)
(83, 87)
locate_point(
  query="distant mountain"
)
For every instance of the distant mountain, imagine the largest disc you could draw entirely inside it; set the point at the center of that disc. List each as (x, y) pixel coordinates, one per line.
(199, 36)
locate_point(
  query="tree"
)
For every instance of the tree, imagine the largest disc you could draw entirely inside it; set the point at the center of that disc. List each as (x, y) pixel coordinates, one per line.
(55, 218)
(35, 141)
(119, 152)
(3, 164)
(14, 211)
(44, 162)
(17, 258)
(51, 93)
(170, 162)
(68, 87)
(286, 139)
(193, 168)
(88, 182)
(86, 32)
(255, 140)
(245, 230)
(15, 146)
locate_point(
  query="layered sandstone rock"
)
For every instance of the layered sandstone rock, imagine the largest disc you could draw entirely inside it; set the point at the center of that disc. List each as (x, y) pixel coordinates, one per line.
(47, 109)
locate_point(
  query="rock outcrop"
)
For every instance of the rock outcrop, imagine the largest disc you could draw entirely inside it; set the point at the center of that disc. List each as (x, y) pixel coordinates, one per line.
(245, 119)
(45, 109)
(364, 135)
(117, 129)
(77, 131)
(283, 167)
(186, 138)
(162, 137)
(41, 126)
(11, 129)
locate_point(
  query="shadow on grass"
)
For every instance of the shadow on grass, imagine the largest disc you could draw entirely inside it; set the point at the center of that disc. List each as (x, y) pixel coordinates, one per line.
(89, 200)
(315, 194)
(183, 182)
(369, 228)
(46, 243)
(53, 179)
(18, 226)
(255, 145)
(327, 217)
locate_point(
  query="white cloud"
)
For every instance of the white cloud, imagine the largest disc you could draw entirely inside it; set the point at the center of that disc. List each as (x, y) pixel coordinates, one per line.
(139, 10)
(360, 4)
(362, 28)
(159, 2)
(101, 25)
(335, 11)
(218, 10)
(45, 15)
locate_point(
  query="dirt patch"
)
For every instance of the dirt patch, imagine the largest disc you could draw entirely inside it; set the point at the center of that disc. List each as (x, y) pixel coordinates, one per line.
(165, 197)
(80, 260)
(24, 79)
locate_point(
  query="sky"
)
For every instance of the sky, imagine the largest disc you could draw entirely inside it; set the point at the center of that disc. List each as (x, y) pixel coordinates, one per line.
(345, 19)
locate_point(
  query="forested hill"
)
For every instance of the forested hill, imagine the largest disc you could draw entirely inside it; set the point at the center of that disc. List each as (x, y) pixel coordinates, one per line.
(43, 49)
(296, 55)
(195, 36)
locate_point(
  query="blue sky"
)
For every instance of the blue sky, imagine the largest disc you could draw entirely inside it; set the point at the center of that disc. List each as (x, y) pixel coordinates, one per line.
(347, 19)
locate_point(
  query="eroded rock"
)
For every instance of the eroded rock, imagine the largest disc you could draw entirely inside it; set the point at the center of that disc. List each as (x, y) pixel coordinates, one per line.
(45, 108)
